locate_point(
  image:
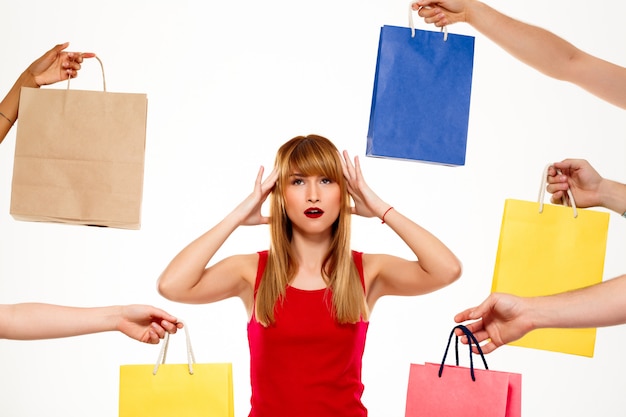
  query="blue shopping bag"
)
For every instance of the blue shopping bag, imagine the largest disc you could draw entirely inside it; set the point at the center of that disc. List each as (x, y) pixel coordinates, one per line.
(421, 98)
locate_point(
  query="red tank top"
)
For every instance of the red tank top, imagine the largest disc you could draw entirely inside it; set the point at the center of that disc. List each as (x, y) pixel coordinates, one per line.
(306, 364)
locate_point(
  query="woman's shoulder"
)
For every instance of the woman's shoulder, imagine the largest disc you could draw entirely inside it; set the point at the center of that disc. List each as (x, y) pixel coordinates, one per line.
(375, 262)
(248, 255)
(244, 264)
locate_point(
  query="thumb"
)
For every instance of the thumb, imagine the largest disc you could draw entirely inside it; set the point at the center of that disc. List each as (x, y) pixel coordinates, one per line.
(464, 315)
(481, 309)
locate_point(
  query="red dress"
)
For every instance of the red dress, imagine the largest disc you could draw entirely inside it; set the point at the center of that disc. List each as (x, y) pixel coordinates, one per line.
(306, 364)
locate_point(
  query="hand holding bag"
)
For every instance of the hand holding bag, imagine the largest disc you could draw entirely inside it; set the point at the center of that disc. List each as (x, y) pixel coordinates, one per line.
(180, 390)
(549, 249)
(421, 97)
(452, 391)
(79, 157)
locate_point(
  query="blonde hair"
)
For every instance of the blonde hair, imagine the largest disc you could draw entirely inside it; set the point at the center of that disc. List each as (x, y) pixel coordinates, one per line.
(310, 155)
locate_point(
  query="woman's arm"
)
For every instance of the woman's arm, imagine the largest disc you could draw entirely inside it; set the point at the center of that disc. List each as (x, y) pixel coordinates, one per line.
(435, 265)
(187, 278)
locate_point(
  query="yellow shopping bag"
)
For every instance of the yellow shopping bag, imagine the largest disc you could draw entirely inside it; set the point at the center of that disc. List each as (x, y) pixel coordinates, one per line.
(547, 249)
(176, 390)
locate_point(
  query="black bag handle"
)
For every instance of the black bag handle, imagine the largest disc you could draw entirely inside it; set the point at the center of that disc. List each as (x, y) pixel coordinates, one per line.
(470, 338)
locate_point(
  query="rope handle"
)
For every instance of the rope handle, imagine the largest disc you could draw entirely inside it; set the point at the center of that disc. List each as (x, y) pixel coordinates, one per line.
(542, 191)
(191, 359)
(470, 338)
(412, 25)
(104, 83)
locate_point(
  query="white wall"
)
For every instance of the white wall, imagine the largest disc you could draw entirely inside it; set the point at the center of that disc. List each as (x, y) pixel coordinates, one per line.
(227, 83)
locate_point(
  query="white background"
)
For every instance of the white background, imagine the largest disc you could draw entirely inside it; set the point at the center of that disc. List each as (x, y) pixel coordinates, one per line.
(227, 83)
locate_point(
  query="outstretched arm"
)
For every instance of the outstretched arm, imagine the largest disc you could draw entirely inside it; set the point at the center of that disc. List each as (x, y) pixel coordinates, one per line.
(532, 45)
(29, 321)
(504, 318)
(53, 66)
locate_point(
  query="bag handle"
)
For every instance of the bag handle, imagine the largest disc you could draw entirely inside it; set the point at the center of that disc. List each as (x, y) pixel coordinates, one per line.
(470, 338)
(412, 26)
(542, 192)
(163, 353)
(104, 83)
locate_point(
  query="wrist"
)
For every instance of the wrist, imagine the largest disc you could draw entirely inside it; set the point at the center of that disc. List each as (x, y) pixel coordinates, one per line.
(472, 8)
(6, 118)
(114, 317)
(612, 195)
(533, 313)
(548, 311)
(27, 79)
(385, 213)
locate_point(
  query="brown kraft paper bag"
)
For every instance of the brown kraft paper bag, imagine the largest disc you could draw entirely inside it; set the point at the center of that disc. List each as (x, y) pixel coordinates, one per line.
(79, 157)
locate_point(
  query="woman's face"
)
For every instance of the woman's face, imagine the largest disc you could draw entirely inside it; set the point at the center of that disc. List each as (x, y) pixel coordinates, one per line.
(312, 202)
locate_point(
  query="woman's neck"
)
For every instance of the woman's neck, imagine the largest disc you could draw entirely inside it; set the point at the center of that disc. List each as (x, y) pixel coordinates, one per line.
(310, 250)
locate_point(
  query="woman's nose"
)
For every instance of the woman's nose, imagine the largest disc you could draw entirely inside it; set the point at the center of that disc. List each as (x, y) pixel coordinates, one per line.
(312, 194)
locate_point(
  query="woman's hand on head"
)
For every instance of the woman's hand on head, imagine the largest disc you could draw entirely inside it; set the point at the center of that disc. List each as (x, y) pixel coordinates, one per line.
(250, 208)
(366, 202)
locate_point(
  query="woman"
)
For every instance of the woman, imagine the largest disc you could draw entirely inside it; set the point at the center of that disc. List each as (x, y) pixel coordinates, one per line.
(309, 296)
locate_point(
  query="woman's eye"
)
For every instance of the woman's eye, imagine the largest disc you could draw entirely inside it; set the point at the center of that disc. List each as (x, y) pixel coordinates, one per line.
(327, 181)
(297, 181)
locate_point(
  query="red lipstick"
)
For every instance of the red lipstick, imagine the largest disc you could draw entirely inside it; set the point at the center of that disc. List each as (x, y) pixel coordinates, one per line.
(313, 212)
